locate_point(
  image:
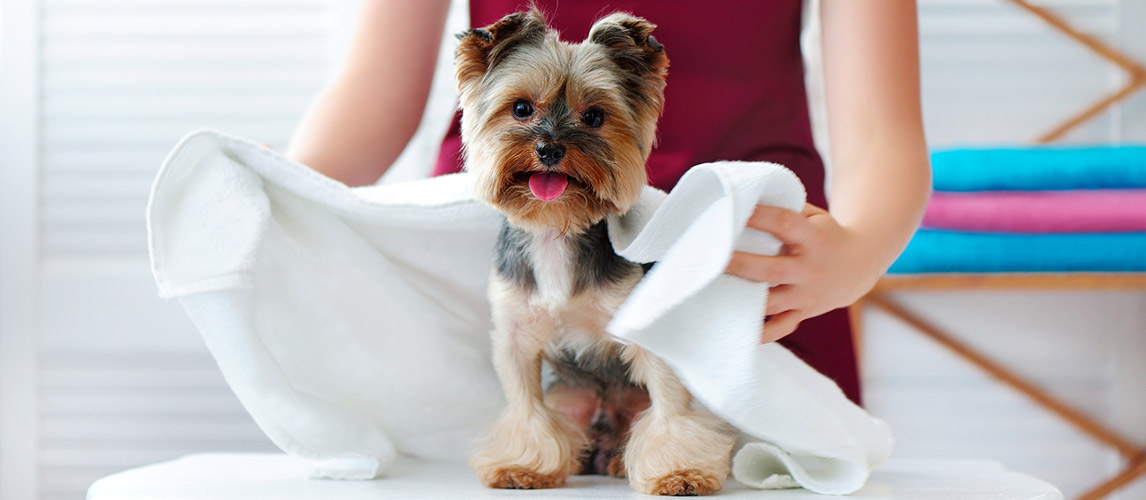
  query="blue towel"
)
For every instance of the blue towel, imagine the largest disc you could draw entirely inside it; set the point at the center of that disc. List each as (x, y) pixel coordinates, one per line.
(1040, 168)
(934, 251)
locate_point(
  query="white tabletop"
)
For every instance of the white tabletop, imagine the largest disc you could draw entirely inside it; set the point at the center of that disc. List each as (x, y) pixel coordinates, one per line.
(270, 476)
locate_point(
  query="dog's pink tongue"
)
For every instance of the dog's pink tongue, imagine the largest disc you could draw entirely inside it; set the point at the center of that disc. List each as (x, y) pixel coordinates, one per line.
(548, 186)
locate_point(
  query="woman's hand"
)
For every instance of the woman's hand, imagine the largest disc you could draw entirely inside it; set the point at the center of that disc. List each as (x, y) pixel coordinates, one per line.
(880, 178)
(822, 266)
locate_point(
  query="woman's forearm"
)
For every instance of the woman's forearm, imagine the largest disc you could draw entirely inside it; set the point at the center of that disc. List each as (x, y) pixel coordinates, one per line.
(882, 198)
(881, 176)
(363, 118)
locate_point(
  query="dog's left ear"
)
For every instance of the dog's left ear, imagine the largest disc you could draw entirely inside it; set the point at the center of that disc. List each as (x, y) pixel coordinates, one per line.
(631, 45)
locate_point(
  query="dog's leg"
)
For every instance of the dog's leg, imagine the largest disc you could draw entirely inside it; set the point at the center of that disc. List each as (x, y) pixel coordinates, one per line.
(530, 445)
(675, 448)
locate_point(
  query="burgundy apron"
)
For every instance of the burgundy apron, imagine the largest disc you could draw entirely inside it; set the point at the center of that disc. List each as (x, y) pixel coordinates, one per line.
(735, 92)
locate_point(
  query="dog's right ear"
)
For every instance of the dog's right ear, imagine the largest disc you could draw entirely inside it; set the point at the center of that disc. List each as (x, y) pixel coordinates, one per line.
(481, 49)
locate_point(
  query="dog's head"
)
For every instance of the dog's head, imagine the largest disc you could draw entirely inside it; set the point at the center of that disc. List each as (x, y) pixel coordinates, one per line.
(556, 133)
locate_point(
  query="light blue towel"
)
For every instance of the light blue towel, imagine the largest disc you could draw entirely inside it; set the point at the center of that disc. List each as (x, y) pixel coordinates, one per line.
(933, 251)
(1040, 168)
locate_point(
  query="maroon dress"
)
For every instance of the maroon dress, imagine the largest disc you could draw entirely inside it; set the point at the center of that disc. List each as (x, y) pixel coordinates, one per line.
(735, 92)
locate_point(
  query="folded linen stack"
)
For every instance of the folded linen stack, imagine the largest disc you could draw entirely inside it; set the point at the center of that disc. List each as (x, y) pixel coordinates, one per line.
(1039, 209)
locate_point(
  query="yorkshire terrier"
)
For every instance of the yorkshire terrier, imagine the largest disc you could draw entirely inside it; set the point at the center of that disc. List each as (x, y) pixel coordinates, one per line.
(556, 135)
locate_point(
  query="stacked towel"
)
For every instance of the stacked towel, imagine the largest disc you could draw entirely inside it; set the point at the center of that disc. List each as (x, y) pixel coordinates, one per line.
(1037, 209)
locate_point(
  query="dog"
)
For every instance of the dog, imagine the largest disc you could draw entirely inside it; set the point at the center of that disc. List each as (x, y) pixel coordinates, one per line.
(556, 136)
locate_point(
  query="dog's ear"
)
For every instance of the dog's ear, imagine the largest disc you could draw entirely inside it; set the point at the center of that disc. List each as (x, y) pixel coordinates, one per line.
(481, 49)
(631, 45)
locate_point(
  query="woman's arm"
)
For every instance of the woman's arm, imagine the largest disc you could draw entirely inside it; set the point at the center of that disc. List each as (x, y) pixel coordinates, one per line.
(364, 117)
(881, 177)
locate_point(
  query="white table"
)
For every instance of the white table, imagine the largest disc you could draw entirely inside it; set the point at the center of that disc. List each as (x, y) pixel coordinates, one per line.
(232, 476)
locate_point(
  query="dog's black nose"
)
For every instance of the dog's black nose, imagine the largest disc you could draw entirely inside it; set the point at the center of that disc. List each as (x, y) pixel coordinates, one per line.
(550, 154)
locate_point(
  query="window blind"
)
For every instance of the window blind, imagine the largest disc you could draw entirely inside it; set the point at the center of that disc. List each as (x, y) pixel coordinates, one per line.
(125, 379)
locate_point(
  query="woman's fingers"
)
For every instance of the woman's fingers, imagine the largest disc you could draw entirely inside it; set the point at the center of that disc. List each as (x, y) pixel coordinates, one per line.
(779, 326)
(789, 227)
(784, 311)
(780, 299)
(810, 210)
(763, 268)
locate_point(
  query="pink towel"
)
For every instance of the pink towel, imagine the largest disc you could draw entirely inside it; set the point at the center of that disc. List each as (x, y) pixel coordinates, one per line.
(1039, 211)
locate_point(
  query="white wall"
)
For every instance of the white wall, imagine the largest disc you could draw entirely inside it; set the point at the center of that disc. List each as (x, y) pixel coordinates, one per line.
(97, 374)
(18, 249)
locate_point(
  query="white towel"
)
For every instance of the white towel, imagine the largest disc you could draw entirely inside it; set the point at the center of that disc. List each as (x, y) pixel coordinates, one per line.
(352, 323)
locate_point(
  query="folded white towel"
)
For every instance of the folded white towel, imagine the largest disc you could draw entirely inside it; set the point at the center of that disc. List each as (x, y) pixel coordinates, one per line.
(352, 323)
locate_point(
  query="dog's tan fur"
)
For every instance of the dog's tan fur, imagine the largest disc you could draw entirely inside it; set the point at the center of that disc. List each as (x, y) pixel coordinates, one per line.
(676, 447)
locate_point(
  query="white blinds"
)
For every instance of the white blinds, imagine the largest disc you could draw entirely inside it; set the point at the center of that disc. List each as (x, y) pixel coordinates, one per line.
(123, 80)
(124, 378)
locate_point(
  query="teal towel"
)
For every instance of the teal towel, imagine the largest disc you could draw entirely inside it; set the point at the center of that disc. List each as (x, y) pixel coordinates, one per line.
(934, 251)
(1040, 168)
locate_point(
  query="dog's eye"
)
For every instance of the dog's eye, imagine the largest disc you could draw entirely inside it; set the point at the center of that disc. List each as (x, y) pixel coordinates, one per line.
(522, 109)
(593, 117)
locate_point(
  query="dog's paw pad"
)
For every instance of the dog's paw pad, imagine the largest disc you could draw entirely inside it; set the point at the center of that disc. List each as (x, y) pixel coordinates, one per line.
(687, 483)
(517, 478)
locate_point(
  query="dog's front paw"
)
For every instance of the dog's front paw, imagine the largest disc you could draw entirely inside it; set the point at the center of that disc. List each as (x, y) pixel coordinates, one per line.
(528, 450)
(518, 478)
(679, 455)
(685, 483)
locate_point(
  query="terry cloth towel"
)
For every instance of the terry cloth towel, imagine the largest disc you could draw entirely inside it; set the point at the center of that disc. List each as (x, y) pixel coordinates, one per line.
(1094, 211)
(1040, 168)
(353, 323)
(934, 251)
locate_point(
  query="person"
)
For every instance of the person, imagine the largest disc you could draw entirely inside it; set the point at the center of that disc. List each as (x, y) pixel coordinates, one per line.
(735, 92)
